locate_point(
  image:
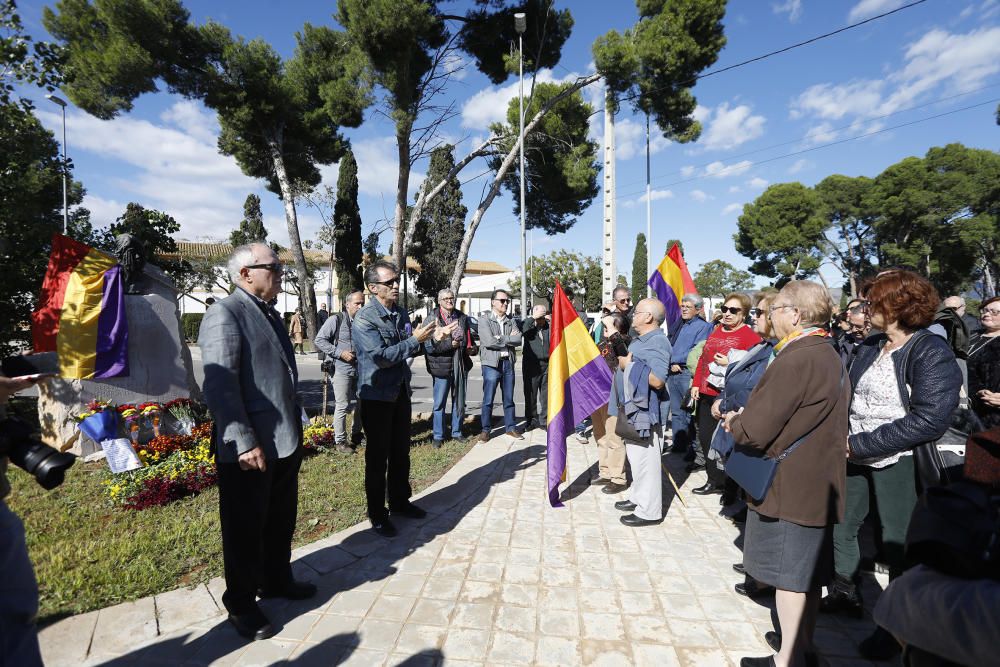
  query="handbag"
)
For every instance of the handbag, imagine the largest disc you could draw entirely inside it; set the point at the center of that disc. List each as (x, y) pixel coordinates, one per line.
(625, 430)
(755, 472)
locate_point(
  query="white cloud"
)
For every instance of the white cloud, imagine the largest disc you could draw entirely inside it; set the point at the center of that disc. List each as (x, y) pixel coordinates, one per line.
(757, 183)
(192, 117)
(687, 171)
(791, 7)
(720, 170)
(829, 101)
(378, 169)
(730, 127)
(734, 188)
(868, 8)
(732, 208)
(798, 166)
(102, 211)
(490, 104)
(821, 134)
(657, 194)
(698, 195)
(630, 139)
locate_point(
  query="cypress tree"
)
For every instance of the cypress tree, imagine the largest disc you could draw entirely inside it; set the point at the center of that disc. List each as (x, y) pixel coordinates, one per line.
(640, 268)
(440, 228)
(347, 227)
(252, 225)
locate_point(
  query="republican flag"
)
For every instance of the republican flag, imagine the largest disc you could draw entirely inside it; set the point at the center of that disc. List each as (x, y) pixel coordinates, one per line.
(670, 282)
(81, 312)
(579, 383)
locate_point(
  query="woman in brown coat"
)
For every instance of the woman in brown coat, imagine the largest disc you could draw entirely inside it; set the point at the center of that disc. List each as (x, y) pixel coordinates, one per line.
(804, 396)
(296, 331)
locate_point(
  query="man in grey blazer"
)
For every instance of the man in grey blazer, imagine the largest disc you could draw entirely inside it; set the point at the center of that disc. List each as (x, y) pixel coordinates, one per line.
(500, 337)
(250, 387)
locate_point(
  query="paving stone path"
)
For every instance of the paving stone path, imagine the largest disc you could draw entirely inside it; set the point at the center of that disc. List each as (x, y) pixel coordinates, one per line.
(493, 576)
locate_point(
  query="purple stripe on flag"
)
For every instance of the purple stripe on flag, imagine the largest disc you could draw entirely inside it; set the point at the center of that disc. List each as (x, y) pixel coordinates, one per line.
(666, 296)
(112, 328)
(583, 392)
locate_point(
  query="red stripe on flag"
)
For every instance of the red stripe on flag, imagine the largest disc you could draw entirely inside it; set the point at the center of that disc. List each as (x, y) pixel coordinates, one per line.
(675, 254)
(66, 255)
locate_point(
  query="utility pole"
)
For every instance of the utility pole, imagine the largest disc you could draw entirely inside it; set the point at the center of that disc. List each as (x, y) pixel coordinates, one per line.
(521, 24)
(649, 218)
(609, 269)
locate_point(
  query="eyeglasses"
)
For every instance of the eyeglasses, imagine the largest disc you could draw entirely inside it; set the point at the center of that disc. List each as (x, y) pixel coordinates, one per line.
(686, 305)
(859, 308)
(274, 267)
(730, 309)
(387, 283)
(770, 311)
(626, 300)
(992, 312)
(448, 298)
(756, 312)
(502, 300)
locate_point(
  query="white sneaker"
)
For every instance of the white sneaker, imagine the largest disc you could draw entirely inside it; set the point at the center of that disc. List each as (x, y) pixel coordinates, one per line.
(582, 439)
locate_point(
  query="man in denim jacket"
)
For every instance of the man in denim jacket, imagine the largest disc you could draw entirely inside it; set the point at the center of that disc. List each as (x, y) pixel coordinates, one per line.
(383, 347)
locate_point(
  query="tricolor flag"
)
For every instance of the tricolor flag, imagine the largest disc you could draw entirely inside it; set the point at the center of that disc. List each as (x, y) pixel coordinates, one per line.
(579, 383)
(671, 281)
(81, 312)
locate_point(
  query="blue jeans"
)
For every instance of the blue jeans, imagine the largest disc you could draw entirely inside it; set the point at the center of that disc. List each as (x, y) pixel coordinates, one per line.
(679, 386)
(491, 378)
(442, 387)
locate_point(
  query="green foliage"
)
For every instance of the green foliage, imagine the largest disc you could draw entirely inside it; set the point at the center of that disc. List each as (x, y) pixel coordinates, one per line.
(851, 211)
(252, 225)
(670, 244)
(656, 62)
(717, 278)
(154, 229)
(191, 325)
(347, 227)
(493, 25)
(440, 228)
(561, 162)
(30, 212)
(22, 60)
(783, 231)
(579, 274)
(640, 268)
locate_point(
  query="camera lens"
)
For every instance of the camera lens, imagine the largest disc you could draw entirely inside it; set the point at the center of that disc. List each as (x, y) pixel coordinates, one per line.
(46, 464)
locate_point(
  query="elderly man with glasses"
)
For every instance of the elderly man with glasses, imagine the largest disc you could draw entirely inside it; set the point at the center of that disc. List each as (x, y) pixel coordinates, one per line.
(500, 338)
(251, 387)
(448, 362)
(692, 330)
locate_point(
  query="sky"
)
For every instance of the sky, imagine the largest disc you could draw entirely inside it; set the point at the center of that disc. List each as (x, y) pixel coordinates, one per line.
(852, 104)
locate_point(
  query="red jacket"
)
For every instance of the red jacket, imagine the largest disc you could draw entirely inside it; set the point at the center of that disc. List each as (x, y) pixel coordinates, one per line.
(721, 341)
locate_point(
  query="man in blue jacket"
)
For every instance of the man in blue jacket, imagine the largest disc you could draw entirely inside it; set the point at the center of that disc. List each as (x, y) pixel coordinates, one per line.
(692, 330)
(383, 347)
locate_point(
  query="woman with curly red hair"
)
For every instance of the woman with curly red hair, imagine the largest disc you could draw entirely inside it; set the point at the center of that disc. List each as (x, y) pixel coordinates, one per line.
(906, 386)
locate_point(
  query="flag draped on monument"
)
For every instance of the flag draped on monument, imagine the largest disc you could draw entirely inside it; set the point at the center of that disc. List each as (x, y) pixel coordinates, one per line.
(671, 281)
(81, 312)
(579, 383)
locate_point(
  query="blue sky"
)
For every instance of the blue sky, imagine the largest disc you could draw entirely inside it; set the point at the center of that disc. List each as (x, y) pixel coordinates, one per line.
(768, 122)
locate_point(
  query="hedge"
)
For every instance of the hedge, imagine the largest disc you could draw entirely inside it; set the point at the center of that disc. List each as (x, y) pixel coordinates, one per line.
(191, 323)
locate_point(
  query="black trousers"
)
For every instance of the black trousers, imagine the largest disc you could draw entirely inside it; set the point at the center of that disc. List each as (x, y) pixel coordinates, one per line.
(706, 429)
(536, 392)
(387, 454)
(257, 511)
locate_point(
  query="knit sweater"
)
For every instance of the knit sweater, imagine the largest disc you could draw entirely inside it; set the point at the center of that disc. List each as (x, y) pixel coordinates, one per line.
(721, 341)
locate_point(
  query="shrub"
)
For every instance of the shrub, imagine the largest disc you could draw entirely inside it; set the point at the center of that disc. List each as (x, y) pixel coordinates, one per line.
(191, 323)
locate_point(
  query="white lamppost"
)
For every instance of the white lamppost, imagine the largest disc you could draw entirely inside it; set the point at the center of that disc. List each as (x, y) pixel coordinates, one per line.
(521, 24)
(62, 103)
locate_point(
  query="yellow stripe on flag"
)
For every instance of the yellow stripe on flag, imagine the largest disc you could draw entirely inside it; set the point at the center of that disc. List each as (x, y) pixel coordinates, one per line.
(76, 342)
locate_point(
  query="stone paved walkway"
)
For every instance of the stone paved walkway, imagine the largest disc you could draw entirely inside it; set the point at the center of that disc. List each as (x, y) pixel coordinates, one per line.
(494, 576)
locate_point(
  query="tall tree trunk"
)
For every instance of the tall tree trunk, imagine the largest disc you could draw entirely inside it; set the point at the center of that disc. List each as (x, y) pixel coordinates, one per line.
(403, 130)
(294, 241)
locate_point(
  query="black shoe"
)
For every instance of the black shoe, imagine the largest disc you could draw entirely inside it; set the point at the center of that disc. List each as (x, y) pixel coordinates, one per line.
(484, 436)
(252, 625)
(753, 589)
(384, 528)
(437, 443)
(843, 598)
(625, 505)
(690, 456)
(294, 590)
(773, 639)
(757, 662)
(409, 510)
(611, 488)
(880, 645)
(727, 498)
(634, 521)
(738, 568)
(694, 466)
(739, 517)
(707, 489)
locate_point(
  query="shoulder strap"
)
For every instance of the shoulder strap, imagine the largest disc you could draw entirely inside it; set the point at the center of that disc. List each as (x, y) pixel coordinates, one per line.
(797, 443)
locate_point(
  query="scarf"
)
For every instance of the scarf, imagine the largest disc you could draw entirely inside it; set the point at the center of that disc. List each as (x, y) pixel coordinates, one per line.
(795, 335)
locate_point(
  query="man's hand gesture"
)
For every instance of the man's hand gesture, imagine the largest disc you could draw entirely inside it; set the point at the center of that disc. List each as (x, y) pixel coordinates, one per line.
(253, 460)
(440, 333)
(424, 331)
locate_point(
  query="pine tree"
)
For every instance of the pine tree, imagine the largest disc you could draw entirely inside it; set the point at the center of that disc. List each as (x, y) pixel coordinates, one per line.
(347, 227)
(640, 268)
(440, 227)
(251, 226)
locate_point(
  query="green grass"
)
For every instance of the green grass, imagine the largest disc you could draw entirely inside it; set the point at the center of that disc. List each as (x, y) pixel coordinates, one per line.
(88, 554)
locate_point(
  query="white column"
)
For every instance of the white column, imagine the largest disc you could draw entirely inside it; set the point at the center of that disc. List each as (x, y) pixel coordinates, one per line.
(609, 268)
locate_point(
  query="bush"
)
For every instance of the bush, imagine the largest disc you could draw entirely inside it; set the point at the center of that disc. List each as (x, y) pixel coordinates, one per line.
(191, 323)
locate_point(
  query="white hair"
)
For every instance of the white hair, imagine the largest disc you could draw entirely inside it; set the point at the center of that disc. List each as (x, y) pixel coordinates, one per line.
(447, 291)
(693, 299)
(242, 256)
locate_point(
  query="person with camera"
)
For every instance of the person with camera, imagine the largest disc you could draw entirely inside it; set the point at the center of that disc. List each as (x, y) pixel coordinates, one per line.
(18, 587)
(449, 363)
(334, 340)
(610, 447)
(251, 384)
(535, 367)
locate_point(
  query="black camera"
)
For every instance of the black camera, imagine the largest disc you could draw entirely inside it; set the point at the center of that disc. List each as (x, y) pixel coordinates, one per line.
(47, 465)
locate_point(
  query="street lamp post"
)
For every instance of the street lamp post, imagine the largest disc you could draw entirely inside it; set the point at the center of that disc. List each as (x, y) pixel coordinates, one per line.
(521, 24)
(62, 103)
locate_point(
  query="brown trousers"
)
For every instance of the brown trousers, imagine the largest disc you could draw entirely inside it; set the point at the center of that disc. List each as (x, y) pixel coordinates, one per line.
(610, 448)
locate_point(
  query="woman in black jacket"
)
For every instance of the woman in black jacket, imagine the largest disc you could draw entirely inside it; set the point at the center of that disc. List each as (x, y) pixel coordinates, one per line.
(984, 366)
(906, 386)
